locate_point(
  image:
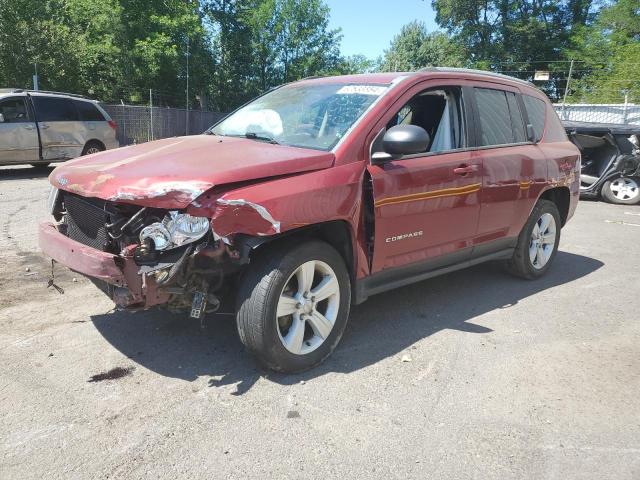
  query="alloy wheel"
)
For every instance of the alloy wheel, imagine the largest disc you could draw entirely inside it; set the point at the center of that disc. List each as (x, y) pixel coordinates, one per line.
(308, 307)
(625, 189)
(543, 240)
(92, 150)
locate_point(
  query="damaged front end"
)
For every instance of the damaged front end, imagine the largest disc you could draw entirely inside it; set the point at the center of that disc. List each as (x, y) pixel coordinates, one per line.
(140, 256)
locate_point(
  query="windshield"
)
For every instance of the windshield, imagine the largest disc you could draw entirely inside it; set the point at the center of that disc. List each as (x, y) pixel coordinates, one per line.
(309, 116)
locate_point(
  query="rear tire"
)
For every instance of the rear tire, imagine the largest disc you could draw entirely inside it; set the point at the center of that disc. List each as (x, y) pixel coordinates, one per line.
(622, 190)
(293, 305)
(92, 147)
(537, 243)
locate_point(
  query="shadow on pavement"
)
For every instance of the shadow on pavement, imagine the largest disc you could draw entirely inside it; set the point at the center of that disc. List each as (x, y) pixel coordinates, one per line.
(24, 172)
(385, 325)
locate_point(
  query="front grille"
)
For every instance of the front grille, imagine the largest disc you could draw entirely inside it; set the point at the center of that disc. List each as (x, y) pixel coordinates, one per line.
(86, 222)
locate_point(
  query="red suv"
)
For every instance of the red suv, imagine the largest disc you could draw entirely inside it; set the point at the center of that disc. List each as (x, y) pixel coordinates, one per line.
(318, 194)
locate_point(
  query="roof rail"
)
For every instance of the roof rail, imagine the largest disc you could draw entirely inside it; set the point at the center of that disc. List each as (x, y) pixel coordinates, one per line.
(74, 95)
(478, 72)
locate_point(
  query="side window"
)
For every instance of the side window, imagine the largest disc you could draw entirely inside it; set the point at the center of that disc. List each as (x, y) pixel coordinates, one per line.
(500, 118)
(440, 113)
(55, 109)
(14, 110)
(517, 122)
(88, 112)
(535, 111)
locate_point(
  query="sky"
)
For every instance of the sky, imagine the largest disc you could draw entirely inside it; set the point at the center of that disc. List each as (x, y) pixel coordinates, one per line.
(368, 26)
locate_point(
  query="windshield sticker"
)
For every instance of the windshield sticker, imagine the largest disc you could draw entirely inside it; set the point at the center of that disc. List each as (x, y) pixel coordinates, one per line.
(362, 90)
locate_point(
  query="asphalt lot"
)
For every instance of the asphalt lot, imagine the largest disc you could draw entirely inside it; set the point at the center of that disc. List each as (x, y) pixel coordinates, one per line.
(506, 378)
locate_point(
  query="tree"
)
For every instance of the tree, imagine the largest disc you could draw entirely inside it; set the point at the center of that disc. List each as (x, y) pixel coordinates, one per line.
(609, 50)
(414, 48)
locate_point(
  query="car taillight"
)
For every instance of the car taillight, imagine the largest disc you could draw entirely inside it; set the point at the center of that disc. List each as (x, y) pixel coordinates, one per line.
(112, 124)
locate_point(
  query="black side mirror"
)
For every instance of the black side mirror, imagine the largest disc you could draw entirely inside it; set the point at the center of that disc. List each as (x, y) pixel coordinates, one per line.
(402, 140)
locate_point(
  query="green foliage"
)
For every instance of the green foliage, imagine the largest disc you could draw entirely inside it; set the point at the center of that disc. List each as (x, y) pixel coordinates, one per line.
(609, 50)
(414, 48)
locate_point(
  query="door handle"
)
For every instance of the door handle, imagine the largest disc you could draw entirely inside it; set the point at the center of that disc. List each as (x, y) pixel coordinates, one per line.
(465, 169)
(28, 127)
(44, 126)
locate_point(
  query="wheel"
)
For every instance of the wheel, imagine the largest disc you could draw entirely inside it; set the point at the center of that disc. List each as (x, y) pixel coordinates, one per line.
(538, 242)
(92, 147)
(623, 190)
(39, 165)
(293, 305)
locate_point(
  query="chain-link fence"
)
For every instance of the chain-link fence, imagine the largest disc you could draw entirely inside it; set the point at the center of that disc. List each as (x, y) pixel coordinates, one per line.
(600, 113)
(138, 124)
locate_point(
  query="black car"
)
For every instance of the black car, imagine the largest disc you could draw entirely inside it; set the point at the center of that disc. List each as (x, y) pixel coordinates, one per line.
(610, 160)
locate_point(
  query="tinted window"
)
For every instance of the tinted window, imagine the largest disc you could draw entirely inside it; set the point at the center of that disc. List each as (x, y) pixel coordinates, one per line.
(54, 109)
(88, 112)
(517, 123)
(495, 117)
(14, 110)
(535, 111)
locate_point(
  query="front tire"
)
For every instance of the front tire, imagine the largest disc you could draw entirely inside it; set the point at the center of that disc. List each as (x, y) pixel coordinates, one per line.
(537, 243)
(622, 190)
(293, 305)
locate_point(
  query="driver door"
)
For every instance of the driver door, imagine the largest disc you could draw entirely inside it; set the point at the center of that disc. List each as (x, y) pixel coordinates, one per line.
(427, 205)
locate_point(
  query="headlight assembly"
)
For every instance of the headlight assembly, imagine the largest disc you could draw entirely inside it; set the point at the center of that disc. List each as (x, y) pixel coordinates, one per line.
(175, 230)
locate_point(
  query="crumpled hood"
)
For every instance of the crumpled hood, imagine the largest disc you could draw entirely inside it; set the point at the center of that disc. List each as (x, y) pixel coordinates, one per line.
(173, 172)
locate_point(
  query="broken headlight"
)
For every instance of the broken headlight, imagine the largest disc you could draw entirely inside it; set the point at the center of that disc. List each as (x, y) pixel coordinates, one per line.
(175, 230)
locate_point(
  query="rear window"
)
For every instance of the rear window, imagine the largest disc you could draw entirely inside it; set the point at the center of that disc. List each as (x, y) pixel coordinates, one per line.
(88, 112)
(500, 118)
(535, 111)
(55, 109)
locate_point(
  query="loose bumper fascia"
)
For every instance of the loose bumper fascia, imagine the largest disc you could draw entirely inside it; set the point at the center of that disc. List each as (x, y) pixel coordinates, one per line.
(116, 270)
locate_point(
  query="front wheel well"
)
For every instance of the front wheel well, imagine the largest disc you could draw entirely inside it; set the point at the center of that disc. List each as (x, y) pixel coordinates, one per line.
(336, 233)
(561, 196)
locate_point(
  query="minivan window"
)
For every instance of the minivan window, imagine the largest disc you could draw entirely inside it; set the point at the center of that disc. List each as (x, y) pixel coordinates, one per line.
(14, 110)
(88, 112)
(535, 111)
(55, 109)
(500, 119)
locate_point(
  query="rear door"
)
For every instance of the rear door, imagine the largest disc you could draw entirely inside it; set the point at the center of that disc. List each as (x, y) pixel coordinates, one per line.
(62, 134)
(514, 168)
(18, 134)
(426, 206)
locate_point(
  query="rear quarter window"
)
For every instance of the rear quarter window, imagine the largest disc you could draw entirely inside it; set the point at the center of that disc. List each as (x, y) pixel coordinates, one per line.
(536, 112)
(88, 112)
(55, 109)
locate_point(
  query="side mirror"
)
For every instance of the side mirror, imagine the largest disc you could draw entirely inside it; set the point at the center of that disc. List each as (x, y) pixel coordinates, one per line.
(1, 118)
(402, 140)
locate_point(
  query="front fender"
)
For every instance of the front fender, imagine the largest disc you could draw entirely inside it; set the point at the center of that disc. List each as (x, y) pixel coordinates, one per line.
(276, 206)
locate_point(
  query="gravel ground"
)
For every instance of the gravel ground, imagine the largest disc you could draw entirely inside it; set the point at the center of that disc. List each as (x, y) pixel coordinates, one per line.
(471, 375)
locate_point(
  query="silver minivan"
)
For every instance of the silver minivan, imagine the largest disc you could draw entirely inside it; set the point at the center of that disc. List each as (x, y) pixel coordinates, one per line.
(46, 127)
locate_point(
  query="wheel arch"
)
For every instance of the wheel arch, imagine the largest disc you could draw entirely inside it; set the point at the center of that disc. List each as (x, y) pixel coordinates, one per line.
(94, 141)
(337, 233)
(561, 197)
